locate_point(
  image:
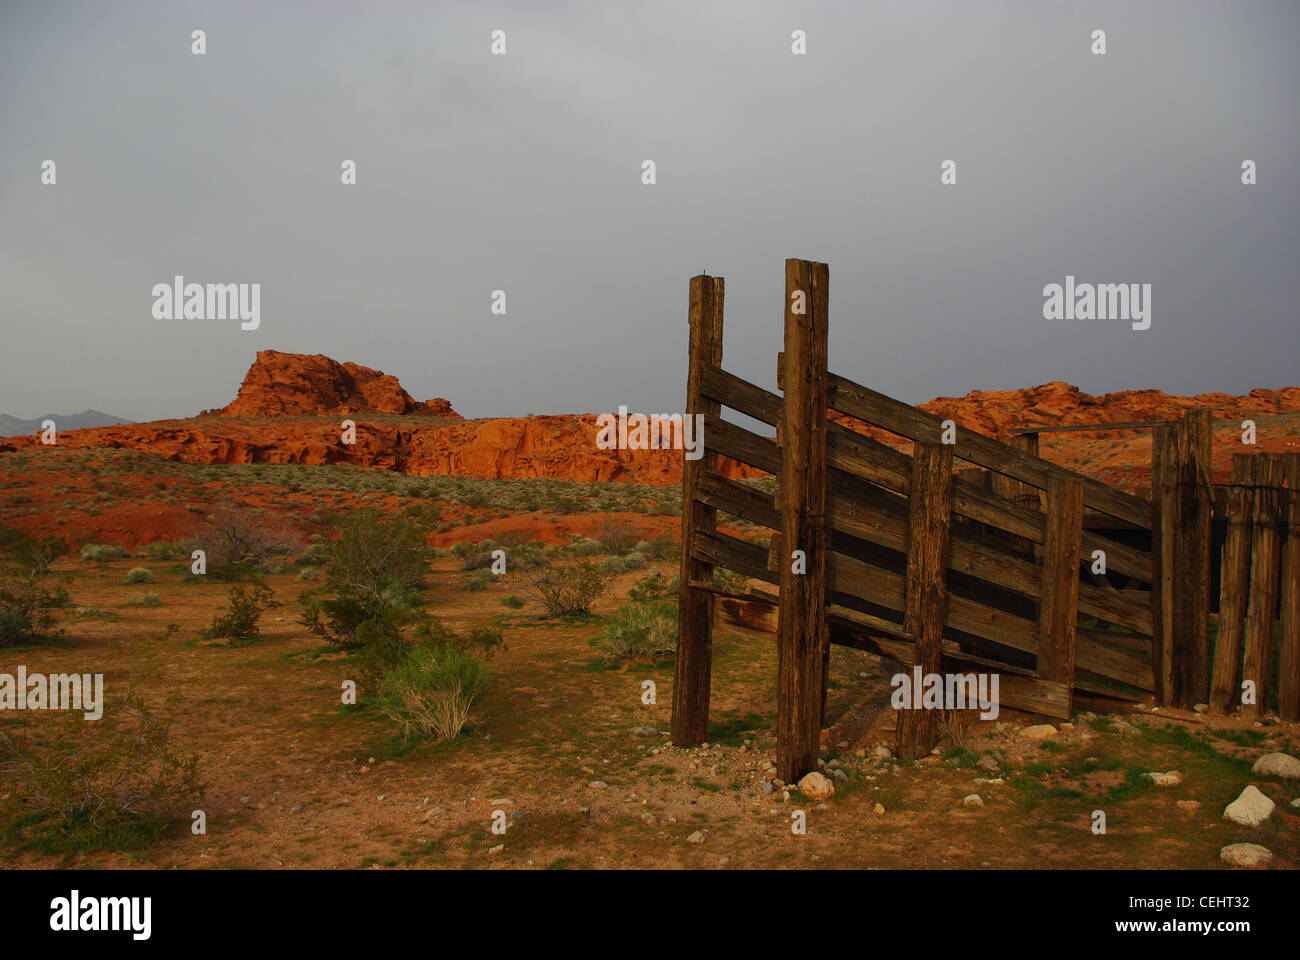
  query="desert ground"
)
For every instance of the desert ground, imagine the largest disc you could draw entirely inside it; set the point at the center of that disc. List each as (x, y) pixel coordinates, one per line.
(561, 743)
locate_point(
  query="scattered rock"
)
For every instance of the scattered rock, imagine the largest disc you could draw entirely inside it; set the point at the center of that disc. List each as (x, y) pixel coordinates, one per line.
(972, 800)
(768, 787)
(649, 818)
(497, 849)
(1189, 806)
(1201, 707)
(989, 762)
(503, 802)
(1277, 765)
(1296, 803)
(696, 837)
(1171, 778)
(641, 731)
(1245, 855)
(1039, 731)
(1250, 809)
(1127, 729)
(598, 785)
(880, 809)
(882, 752)
(1067, 727)
(816, 786)
(839, 775)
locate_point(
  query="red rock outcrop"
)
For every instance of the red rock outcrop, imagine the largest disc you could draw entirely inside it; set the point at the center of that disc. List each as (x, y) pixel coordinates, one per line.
(298, 384)
(286, 410)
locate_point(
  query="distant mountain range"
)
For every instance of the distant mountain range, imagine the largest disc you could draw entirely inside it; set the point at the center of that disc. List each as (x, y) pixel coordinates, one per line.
(14, 427)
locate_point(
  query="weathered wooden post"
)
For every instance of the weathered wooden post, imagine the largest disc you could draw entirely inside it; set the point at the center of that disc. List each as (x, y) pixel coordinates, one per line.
(1265, 554)
(1289, 656)
(1181, 527)
(1234, 583)
(1062, 547)
(692, 671)
(802, 636)
(925, 585)
(1192, 559)
(1164, 455)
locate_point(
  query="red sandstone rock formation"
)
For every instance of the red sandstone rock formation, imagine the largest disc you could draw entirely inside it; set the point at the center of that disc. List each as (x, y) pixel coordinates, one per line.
(297, 384)
(279, 417)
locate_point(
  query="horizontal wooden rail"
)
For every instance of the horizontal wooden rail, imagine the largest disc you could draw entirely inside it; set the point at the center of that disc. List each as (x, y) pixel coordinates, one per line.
(897, 417)
(886, 526)
(868, 459)
(849, 578)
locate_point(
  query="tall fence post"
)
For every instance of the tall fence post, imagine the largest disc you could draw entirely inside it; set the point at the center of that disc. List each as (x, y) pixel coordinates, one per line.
(693, 669)
(1289, 588)
(802, 634)
(1062, 546)
(1164, 502)
(925, 585)
(1192, 559)
(1234, 585)
(1257, 660)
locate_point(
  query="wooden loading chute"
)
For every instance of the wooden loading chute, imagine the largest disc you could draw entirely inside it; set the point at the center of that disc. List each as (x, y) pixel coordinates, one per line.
(982, 567)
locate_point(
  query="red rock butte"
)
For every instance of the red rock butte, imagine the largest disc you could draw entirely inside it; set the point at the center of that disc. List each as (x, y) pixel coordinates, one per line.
(298, 384)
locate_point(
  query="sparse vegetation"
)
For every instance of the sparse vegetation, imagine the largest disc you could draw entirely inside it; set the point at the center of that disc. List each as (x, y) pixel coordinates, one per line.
(114, 784)
(571, 589)
(641, 631)
(239, 622)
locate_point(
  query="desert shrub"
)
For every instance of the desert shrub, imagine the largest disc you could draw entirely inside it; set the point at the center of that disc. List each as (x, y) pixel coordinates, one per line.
(315, 555)
(616, 536)
(462, 549)
(33, 553)
(478, 580)
(652, 586)
(27, 598)
(524, 555)
(480, 642)
(238, 543)
(430, 691)
(644, 631)
(308, 574)
(617, 565)
(666, 508)
(586, 547)
(113, 784)
(369, 596)
(513, 601)
(139, 575)
(570, 589)
(478, 560)
(102, 552)
(244, 608)
(145, 600)
(162, 550)
(662, 547)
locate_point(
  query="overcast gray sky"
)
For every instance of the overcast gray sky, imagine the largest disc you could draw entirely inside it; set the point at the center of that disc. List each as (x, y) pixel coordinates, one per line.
(523, 172)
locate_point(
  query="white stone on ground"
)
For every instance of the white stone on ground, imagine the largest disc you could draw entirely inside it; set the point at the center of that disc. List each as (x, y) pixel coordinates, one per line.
(1250, 809)
(1245, 855)
(1277, 765)
(816, 786)
(1171, 778)
(1039, 731)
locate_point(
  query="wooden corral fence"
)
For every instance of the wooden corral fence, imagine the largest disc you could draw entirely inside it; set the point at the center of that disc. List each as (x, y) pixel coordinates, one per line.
(1259, 580)
(1010, 565)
